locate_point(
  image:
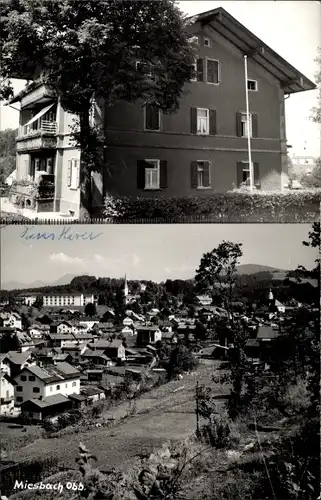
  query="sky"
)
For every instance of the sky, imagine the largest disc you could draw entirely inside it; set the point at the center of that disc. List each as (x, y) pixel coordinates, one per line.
(292, 29)
(143, 251)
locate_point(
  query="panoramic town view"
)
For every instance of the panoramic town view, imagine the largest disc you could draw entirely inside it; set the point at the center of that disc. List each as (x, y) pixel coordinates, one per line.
(160, 361)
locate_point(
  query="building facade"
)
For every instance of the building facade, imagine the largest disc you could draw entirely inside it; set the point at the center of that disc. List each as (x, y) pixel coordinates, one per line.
(199, 150)
(67, 299)
(37, 382)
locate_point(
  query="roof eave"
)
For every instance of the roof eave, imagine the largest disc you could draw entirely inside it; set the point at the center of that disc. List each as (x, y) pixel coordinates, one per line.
(299, 83)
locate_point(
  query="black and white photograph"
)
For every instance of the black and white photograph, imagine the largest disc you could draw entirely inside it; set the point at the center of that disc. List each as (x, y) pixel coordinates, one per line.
(129, 109)
(165, 361)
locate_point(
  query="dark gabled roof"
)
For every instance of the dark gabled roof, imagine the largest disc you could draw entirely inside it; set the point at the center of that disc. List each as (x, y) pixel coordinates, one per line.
(147, 328)
(267, 332)
(220, 21)
(46, 402)
(18, 358)
(54, 373)
(91, 391)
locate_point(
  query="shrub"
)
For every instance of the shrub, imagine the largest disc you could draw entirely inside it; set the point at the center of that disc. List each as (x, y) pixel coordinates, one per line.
(215, 432)
(302, 206)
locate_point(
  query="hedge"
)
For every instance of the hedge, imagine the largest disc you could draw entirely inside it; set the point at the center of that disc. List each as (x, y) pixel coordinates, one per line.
(293, 206)
(9, 218)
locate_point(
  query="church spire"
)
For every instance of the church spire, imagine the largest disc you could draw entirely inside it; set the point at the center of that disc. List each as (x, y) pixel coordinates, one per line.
(125, 287)
(271, 296)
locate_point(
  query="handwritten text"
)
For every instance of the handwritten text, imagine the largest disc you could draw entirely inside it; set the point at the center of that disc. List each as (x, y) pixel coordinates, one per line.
(65, 233)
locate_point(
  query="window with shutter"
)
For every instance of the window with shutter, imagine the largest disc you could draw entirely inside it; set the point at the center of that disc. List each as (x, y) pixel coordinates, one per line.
(203, 174)
(257, 181)
(163, 174)
(243, 124)
(152, 117)
(193, 120)
(77, 167)
(152, 174)
(200, 70)
(254, 125)
(194, 71)
(202, 121)
(69, 173)
(212, 121)
(212, 71)
(194, 174)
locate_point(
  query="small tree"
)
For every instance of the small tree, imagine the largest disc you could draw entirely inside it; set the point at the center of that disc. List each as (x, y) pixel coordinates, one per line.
(181, 360)
(90, 309)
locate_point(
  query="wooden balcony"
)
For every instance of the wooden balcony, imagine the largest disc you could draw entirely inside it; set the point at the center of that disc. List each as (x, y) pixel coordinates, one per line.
(45, 127)
(40, 94)
(30, 143)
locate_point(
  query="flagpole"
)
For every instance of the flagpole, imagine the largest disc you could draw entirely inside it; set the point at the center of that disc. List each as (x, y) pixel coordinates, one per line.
(248, 126)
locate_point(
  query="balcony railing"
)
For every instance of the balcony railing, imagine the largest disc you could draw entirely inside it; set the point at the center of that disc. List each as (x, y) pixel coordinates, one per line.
(45, 127)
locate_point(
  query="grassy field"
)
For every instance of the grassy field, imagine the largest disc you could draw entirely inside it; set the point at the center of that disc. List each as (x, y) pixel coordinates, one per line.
(162, 414)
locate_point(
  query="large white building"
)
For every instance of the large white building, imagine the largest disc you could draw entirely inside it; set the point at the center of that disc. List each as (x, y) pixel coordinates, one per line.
(40, 382)
(67, 299)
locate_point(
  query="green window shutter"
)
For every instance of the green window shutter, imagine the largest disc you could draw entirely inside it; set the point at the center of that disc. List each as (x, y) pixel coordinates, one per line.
(194, 182)
(257, 181)
(193, 120)
(163, 174)
(141, 164)
(212, 121)
(200, 70)
(254, 125)
(239, 174)
(69, 173)
(206, 174)
(238, 125)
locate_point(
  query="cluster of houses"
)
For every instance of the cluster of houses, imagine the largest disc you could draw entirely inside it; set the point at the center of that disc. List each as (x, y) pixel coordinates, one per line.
(68, 360)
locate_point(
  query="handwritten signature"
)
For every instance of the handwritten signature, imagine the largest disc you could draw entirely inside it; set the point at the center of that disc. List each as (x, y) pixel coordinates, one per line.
(66, 233)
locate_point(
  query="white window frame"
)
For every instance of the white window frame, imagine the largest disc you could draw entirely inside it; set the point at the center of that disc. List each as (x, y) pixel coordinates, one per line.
(245, 122)
(149, 184)
(246, 168)
(74, 173)
(202, 118)
(159, 122)
(218, 71)
(194, 66)
(256, 85)
(209, 40)
(209, 174)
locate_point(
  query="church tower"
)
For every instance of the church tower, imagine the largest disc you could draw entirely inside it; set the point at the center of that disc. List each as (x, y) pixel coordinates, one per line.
(126, 291)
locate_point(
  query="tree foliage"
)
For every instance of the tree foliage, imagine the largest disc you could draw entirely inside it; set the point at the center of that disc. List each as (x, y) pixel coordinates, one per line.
(217, 271)
(316, 111)
(88, 50)
(7, 153)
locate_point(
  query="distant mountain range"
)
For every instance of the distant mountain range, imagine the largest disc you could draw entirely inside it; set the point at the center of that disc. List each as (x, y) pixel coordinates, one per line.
(16, 285)
(67, 278)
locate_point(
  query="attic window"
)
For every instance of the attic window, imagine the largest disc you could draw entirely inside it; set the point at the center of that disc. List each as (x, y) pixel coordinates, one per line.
(252, 85)
(207, 42)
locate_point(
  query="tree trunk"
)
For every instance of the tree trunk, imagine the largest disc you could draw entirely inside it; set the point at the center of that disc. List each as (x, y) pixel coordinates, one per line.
(85, 166)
